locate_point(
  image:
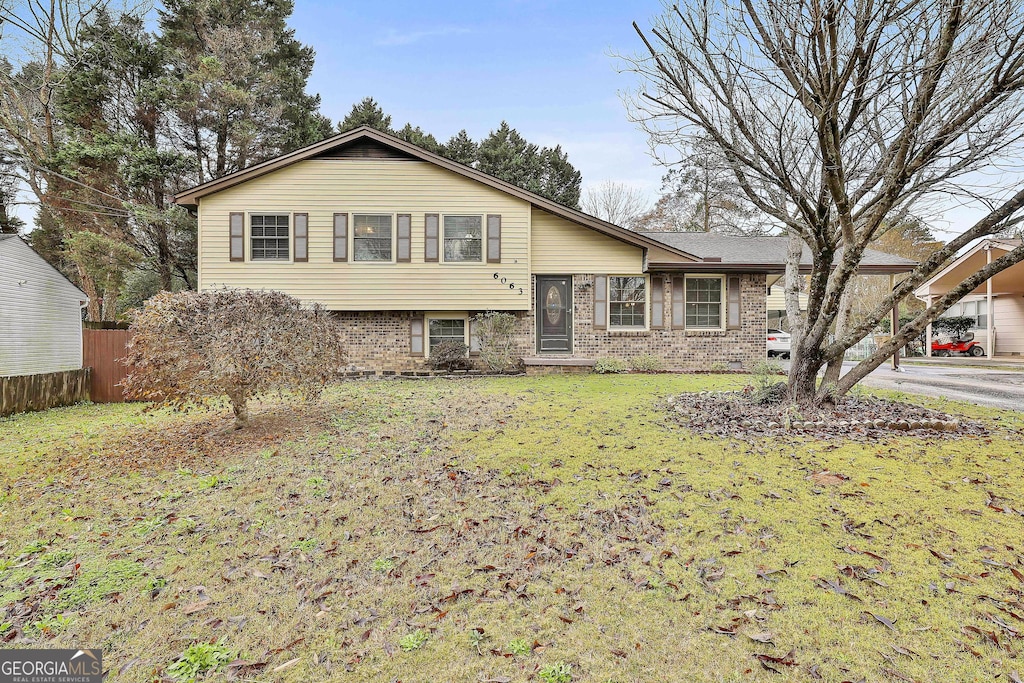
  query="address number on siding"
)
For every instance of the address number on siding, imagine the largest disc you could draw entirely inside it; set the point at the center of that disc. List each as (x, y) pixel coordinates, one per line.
(511, 285)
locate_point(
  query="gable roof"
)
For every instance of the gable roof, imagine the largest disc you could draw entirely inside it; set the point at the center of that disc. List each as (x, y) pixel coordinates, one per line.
(28, 247)
(359, 136)
(762, 254)
(1005, 244)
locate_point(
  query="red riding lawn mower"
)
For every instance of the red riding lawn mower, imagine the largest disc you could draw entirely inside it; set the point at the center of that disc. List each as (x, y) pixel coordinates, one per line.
(944, 346)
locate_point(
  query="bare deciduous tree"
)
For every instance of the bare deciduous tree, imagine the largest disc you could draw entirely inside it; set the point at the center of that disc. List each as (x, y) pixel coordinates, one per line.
(239, 343)
(837, 118)
(614, 202)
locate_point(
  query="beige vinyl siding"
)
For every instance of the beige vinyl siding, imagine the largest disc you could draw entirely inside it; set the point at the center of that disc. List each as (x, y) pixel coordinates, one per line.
(322, 187)
(1009, 324)
(559, 246)
(776, 301)
(40, 314)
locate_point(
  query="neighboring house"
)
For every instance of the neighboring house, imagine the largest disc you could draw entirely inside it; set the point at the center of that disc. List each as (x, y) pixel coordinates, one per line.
(40, 313)
(778, 319)
(997, 305)
(407, 246)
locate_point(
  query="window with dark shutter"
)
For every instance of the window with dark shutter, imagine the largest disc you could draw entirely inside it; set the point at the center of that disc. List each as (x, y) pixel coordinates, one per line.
(678, 302)
(657, 302)
(416, 337)
(301, 237)
(493, 238)
(430, 242)
(404, 241)
(341, 237)
(600, 302)
(733, 302)
(236, 225)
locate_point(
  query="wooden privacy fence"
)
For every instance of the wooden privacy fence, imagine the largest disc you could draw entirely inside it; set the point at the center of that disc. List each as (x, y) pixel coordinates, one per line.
(39, 392)
(103, 351)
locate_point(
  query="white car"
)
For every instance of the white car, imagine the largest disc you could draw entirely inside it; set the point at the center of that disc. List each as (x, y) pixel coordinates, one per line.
(778, 343)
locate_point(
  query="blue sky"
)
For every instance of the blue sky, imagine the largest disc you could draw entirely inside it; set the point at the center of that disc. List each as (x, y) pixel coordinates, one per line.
(545, 67)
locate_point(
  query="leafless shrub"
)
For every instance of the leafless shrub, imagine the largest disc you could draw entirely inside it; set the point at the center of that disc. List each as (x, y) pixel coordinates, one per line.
(193, 346)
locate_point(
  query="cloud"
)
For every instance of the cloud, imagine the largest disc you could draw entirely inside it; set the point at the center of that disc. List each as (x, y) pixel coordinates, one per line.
(395, 37)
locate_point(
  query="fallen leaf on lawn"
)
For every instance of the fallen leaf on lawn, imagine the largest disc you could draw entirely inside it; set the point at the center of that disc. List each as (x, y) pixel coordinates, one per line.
(195, 607)
(885, 621)
(764, 637)
(828, 478)
(289, 663)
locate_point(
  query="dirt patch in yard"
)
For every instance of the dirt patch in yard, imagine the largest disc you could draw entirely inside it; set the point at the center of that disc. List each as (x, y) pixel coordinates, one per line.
(739, 414)
(200, 438)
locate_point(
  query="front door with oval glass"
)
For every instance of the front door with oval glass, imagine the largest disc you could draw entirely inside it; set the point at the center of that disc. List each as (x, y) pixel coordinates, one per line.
(554, 313)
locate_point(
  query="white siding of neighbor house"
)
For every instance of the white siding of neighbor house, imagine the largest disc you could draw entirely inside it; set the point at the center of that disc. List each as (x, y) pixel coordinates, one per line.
(322, 187)
(1009, 324)
(40, 314)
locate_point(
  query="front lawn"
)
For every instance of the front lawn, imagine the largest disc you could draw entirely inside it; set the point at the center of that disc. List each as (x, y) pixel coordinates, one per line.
(509, 529)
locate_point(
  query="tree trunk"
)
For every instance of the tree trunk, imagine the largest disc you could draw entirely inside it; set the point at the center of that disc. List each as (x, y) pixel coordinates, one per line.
(222, 147)
(835, 364)
(240, 406)
(93, 311)
(803, 373)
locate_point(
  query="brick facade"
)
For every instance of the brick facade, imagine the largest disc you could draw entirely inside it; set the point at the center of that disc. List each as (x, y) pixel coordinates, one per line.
(381, 340)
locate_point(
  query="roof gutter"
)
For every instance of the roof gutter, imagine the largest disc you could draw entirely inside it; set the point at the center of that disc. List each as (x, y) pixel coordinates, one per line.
(768, 268)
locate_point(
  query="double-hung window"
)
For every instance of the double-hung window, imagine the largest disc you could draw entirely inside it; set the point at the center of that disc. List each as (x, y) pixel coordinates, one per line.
(445, 329)
(463, 239)
(627, 302)
(372, 237)
(269, 238)
(704, 302)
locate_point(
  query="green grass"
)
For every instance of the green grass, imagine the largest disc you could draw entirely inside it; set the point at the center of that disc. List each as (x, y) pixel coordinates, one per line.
(531, 529)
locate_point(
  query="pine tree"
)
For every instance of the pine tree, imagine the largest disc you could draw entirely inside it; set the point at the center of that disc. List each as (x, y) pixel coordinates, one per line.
(239, 79)
(417, 137)
(366, 112)
(461, 148)
(508, 155)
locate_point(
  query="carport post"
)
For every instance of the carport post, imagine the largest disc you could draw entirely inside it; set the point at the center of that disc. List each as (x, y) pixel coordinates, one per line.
(990, 342)
(895, 325)
(928, 332)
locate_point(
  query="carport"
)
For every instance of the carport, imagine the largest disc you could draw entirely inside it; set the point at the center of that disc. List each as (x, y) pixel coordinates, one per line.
(997, 305)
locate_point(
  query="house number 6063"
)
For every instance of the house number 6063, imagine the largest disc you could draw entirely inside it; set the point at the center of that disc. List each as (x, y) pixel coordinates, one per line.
(511, 285)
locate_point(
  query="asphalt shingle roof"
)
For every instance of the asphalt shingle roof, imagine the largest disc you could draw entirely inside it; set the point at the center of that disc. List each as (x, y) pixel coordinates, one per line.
(757, 251)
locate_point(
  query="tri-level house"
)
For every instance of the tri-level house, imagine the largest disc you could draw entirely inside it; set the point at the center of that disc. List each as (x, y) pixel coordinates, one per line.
(407, 247)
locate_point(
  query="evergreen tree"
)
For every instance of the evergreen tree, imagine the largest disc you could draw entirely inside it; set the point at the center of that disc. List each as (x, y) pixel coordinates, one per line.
(366, 113)
(239, 79)
(461, 148)
(417, 137)
(507, 155)
(9, 223)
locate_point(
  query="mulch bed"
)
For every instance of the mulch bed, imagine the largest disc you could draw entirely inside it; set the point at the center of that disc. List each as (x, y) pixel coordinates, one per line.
(735, 413)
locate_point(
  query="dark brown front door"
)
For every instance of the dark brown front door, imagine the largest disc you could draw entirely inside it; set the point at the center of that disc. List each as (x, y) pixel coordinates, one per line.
(554, 313)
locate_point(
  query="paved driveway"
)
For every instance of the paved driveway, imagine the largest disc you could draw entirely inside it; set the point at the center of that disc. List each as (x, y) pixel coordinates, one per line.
(993, 387)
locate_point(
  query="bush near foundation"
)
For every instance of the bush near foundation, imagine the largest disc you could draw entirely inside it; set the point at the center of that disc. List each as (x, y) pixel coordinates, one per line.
(190, 347)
